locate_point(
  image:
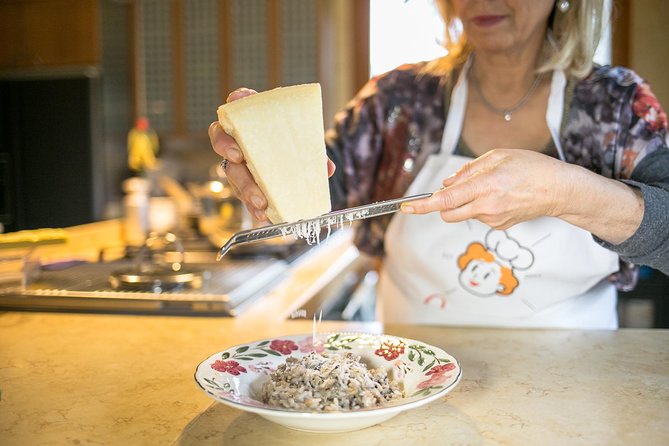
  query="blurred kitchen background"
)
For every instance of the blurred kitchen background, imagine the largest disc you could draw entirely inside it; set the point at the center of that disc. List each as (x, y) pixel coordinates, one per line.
(75, 75)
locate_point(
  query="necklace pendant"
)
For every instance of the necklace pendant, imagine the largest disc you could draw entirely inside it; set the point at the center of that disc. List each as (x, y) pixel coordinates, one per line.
(507, 116)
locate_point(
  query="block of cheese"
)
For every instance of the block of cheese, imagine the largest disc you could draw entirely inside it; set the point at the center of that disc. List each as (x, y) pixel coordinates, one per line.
(281, 135)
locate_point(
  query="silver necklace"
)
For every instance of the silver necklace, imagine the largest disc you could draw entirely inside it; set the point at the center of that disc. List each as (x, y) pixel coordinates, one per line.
(507, 112)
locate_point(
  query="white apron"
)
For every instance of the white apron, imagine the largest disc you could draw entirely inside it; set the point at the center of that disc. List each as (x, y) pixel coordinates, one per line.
(540, 273)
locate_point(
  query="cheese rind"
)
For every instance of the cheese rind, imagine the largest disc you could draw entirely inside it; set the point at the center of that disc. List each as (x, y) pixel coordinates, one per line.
(280, 133)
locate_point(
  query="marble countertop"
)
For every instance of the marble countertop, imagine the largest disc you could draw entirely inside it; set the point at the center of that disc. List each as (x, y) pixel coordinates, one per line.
(112, 379)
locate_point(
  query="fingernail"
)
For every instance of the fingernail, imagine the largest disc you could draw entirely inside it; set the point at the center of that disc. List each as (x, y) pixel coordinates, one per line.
(234, 155)
(260, 215)
(407, 209)
(449, 178)
(257, 202)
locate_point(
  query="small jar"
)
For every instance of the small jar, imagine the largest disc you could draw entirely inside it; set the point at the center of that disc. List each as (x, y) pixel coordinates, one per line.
(136, 210)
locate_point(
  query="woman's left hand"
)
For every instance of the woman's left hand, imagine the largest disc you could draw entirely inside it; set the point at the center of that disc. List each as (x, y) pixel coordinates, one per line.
(501, 188)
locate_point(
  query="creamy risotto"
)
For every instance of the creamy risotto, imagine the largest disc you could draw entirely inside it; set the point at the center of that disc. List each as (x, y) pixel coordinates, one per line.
(328, 383)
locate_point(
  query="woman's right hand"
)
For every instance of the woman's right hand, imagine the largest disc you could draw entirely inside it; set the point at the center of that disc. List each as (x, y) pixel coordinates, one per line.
(238, 174)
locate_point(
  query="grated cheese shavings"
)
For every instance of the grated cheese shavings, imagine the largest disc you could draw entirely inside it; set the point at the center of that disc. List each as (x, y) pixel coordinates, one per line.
(310, 231)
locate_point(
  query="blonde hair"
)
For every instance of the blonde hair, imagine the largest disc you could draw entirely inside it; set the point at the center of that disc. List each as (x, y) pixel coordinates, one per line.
(572, 38)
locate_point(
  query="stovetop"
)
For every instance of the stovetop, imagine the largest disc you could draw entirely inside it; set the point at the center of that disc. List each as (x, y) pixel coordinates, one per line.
(228, 287)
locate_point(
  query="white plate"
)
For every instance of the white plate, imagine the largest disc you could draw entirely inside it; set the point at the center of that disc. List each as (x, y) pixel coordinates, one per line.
(235, 376)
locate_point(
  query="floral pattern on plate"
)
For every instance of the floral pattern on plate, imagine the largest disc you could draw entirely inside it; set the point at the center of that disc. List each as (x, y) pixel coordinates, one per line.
(235, 376)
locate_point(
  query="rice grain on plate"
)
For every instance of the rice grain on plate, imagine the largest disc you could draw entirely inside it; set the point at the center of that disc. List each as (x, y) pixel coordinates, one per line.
(328, 383)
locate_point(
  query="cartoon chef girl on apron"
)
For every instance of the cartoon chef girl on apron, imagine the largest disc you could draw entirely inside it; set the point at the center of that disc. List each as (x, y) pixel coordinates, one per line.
(539, 273)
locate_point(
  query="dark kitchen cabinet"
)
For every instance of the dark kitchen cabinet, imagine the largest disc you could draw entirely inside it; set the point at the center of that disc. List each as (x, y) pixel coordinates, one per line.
(63, 118)
(50, 162)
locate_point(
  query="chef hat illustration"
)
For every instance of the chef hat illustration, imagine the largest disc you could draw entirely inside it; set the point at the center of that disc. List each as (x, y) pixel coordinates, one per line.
(509, 252)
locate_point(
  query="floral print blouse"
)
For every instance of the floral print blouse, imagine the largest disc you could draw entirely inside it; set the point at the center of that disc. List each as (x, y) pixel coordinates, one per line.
(612, 125)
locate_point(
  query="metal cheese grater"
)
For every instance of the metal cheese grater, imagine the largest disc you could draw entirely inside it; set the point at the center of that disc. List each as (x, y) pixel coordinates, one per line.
(314, 225)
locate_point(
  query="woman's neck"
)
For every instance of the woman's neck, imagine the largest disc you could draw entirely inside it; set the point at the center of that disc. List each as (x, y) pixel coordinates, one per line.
(507, 73)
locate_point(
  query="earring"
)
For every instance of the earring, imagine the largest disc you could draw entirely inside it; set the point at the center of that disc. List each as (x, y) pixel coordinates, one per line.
(563, 5)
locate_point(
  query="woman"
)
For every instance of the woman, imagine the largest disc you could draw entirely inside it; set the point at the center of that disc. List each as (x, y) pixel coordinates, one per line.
(555, 171)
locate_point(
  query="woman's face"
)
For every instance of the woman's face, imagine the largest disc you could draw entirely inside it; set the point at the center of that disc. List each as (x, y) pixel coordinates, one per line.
(499, 25)
(481, 278)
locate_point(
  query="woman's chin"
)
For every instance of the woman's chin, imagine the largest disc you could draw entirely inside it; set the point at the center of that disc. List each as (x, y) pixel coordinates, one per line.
(494, 46)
